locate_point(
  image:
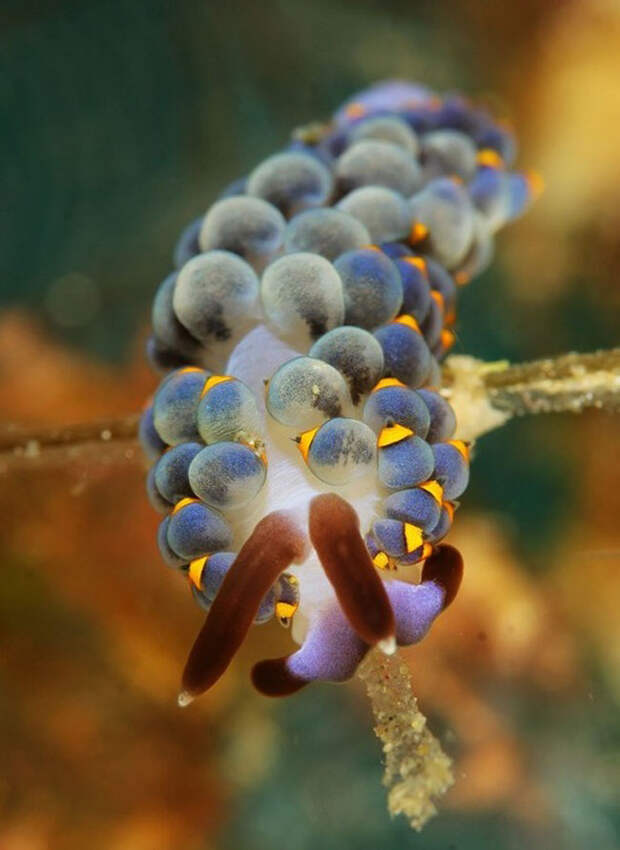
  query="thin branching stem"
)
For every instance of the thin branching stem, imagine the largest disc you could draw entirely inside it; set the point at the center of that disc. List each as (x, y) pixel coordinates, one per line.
(484, 395)
(46, 436)
(417, 772)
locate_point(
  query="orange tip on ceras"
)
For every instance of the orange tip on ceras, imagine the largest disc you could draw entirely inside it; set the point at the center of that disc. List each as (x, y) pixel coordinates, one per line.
(304, 441)
(187, 369)
(409, 321)
(213, 381)
(447, 338)
(196, 569)
(536, 183)
(183, 503)
(387, 382)
(418, 232)
(382, 561)
(434, 488)
(461, 447)
(285, 611)
(393, 434)
(489, 158)
(355, 110)
(413, 537)
(438, 298)
(418, 262)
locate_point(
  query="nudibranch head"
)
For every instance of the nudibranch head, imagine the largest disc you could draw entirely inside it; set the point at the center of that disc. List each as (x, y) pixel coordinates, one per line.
(302, 456)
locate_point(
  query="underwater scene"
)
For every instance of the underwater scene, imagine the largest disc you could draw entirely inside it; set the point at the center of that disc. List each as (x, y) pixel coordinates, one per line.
(309, 432)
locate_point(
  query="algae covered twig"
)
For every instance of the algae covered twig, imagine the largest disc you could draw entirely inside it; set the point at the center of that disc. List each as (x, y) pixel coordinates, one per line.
(417, 771)
(483, 395)
(486, 395)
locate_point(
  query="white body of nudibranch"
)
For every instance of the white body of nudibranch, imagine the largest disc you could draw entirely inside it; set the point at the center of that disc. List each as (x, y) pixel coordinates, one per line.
(290, 485)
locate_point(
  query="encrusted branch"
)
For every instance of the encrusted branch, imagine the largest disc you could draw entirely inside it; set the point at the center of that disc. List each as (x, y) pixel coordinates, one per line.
(101, 442)
(13, 437)
(417, 771)
(484, 396)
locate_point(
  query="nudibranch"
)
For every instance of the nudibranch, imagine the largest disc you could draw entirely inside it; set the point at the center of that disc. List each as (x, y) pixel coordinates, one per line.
(303, 459)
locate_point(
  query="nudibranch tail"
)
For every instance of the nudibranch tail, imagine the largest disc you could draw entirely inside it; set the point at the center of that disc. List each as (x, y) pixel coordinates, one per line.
(275, 543)
(335, 535)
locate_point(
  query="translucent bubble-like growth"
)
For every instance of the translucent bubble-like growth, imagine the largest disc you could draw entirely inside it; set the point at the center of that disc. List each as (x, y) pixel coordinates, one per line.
(404, 459)
(448, 152)
(374, 162)
(387, 128)
(228, 410)
(371, 285)
(340, 451)
(292, 182)
(168, 332)
(226, 475)
(443, 211)
(383, 212)
(176, 403)
(356, 354)
(406, 355)
(215, 296)
(392, 403)
(247, 226)
(302, 296)
(171, 477)
(305, 391)
(188, 244)
(195, 530)
(327, 231)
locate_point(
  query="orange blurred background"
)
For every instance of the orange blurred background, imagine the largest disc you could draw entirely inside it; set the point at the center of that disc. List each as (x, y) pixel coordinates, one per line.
(125, 119)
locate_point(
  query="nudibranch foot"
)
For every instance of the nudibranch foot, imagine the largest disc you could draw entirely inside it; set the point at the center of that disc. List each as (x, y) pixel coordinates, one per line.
(332, 650)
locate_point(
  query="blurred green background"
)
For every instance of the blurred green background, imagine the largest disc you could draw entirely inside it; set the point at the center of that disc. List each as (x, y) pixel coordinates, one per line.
(121, 122)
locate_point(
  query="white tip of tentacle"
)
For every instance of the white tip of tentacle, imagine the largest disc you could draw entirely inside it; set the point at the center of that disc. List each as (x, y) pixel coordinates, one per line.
(388, 646)
(184, 699)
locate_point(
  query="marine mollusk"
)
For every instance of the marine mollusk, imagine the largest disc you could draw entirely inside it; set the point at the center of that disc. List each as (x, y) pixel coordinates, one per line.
(302, 457)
